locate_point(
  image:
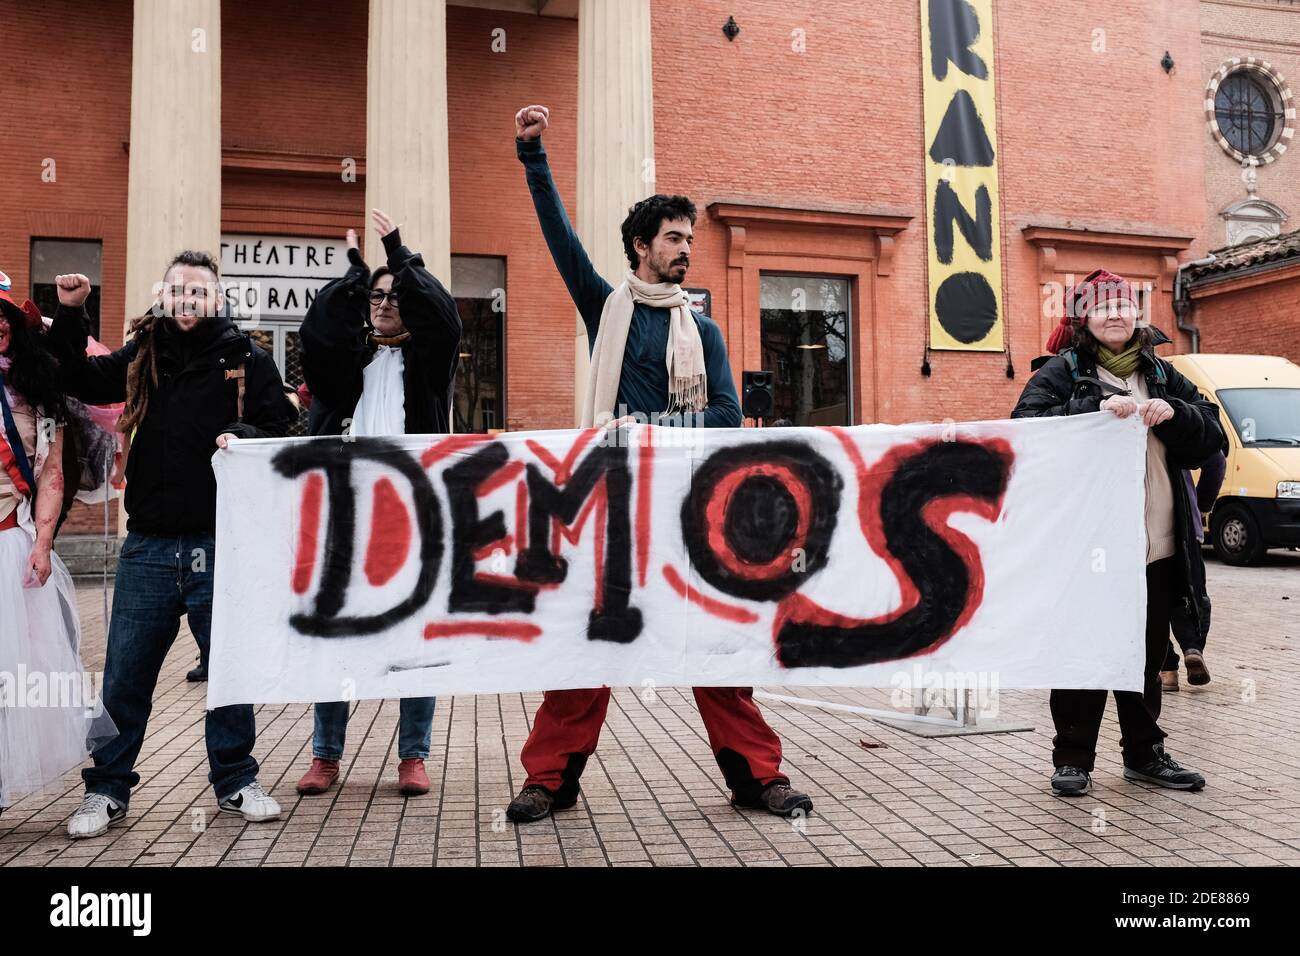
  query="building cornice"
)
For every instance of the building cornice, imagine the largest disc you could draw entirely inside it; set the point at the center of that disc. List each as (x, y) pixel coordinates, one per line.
(841, 218)
(1046, 239)
(236, 158)
(739, 216)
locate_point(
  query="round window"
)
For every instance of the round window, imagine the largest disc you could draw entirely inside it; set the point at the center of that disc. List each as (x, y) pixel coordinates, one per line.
(1248, 113)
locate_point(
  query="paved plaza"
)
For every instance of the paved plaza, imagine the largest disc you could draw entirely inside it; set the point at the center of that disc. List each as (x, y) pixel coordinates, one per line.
(653, 795)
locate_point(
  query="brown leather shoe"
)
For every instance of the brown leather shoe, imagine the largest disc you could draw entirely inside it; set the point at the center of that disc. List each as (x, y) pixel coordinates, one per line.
(1169, 681)
(535, 803)
(411, 778)
(319, 777)
(1197, 673)
(778, 798)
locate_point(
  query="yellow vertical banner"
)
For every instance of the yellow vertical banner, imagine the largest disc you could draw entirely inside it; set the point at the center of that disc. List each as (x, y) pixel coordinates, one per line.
(961, 175)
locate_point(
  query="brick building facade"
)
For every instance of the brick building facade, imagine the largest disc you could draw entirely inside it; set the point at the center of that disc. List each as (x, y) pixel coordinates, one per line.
(800, 140)
(1248, 299)
(1244, 295)
(1252, 46)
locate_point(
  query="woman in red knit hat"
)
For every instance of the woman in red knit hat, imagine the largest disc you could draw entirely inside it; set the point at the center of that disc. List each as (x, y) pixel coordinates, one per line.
(1105, 362)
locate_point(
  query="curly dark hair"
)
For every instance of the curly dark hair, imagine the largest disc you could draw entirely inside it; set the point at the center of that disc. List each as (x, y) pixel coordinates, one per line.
(644, 219)
(33, 374)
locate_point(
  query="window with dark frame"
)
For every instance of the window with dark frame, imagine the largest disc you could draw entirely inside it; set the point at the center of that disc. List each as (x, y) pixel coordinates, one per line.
(805, 330)
(52, 257)
(283, 342)
(478, 285)
(1247, 112)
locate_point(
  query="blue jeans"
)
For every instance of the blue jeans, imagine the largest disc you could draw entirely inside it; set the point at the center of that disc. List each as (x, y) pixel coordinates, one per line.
(158, 580)
(414, 729)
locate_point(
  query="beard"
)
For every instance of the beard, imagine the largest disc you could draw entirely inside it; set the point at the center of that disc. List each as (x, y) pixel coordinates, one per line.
(673, 272)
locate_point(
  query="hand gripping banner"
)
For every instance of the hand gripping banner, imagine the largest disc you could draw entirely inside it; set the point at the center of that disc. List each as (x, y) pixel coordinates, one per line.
(425, 565)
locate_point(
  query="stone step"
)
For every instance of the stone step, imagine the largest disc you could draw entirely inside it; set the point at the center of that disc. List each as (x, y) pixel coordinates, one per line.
(84, 554)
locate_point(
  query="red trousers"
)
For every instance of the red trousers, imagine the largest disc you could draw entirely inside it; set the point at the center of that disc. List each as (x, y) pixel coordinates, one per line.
(567, 727)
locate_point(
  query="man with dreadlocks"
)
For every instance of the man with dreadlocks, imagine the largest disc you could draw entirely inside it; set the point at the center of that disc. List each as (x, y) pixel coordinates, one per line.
(191, 382)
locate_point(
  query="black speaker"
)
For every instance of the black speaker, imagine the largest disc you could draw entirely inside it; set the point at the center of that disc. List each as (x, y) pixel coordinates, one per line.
(756, 395)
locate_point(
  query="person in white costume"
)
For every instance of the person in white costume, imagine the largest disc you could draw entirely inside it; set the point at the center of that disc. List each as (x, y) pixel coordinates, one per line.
(50, 718)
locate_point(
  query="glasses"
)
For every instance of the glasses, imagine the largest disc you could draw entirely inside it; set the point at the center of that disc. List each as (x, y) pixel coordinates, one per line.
(1113, 309)
(377, 297)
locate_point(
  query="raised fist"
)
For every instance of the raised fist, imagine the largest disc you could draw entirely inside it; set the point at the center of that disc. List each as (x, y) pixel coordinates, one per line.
(531, 121)
(73, 289)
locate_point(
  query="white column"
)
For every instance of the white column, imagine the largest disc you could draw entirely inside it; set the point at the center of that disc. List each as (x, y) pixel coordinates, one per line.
(615, 138)
(407, 171)
(174, 186)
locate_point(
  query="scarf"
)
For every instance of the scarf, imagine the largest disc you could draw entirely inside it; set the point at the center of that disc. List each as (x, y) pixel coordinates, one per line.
(1120, 364)
(381, 410)
(13, 456)
(684, 357)
(392, 341)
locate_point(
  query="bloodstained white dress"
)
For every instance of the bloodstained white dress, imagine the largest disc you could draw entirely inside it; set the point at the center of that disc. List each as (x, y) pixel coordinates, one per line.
(50, 713)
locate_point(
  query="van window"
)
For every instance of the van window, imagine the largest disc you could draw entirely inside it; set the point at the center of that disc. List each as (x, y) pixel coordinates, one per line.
(1264, 416)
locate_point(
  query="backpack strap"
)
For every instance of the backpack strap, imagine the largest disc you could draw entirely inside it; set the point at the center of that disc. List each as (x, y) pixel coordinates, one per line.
(239, 377)
(1072, 360)
(1162, 376)
(13, 456)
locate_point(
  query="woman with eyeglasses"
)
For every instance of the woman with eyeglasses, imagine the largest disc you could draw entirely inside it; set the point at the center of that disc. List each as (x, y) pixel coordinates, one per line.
(1103, 360)
(379, 355)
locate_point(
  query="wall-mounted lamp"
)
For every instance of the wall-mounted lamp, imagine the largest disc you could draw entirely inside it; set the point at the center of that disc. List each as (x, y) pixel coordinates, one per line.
(731, 28)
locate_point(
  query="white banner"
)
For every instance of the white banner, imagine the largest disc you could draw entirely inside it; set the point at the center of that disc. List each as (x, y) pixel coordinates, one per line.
(1008, 552)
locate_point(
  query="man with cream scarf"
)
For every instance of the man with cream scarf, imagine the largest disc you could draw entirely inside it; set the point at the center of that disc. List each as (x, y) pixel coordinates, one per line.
(655, 359)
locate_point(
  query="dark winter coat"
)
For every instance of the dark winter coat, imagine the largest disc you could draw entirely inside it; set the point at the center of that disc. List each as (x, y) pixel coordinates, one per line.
(170, 486)
(336, 347)
(1190, 437)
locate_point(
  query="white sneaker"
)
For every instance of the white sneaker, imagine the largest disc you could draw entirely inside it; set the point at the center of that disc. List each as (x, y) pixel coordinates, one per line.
(252, 803)
(96, 814)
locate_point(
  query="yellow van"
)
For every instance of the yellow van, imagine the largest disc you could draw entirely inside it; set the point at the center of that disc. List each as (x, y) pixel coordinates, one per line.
(1259, 401)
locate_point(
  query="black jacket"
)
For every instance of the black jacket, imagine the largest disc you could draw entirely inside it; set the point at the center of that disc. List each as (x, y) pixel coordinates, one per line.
(336, 350)
(170, 486)
(1190, 437)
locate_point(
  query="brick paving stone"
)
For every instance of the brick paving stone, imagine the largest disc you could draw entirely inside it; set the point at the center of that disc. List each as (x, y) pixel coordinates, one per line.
(653, 795)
